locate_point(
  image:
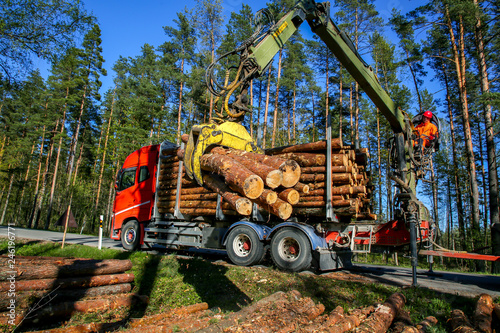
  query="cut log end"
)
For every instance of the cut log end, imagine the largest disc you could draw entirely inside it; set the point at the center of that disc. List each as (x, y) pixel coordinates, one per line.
(285, 211)
(274, 178)
(270, 196)
(302, 188)
(291, 173)
(253, 187)
(290, 195)
(244, 206)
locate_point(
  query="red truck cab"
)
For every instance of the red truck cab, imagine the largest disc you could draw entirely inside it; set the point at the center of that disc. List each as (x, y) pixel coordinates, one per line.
(134, 200)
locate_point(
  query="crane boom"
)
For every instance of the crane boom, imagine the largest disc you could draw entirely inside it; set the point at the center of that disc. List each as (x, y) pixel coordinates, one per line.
(318, 17)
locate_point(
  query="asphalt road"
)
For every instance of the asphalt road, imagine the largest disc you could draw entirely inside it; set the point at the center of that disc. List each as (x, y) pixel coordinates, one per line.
(464, 284)
(54, 236)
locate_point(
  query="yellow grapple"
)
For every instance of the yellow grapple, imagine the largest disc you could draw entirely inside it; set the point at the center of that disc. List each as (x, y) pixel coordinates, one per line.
(229, 134)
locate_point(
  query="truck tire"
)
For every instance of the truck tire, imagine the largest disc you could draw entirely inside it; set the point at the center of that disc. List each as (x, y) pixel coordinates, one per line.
(130, 235)
(244, 248)
(291, 250)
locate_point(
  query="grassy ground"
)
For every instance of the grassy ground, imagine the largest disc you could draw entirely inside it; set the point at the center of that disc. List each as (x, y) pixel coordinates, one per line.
(172, 282)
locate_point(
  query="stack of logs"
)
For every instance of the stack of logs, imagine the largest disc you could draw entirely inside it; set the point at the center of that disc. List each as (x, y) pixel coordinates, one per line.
(65, 281)
(286, 312)
(283, 181)
(486, 317)
(351, 187)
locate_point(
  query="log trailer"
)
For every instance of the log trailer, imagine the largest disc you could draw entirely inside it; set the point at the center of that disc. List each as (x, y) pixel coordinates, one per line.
(324, 239)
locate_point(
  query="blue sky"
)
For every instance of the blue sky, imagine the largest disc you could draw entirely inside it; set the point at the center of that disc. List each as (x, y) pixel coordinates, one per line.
(127, 25)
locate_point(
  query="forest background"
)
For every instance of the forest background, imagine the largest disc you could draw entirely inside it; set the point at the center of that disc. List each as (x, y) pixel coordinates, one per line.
(64, 136)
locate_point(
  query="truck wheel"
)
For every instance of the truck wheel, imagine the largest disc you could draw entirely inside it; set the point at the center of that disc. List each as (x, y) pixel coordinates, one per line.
(130, 235)
(291, 250)
(244, 247)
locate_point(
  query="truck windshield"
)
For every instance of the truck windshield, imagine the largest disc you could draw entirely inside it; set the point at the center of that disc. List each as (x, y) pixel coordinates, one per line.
(127, 178)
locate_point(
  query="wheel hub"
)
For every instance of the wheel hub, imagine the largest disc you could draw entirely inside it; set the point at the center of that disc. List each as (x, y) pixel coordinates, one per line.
(289, 249)
(130, 236)
(242, 245)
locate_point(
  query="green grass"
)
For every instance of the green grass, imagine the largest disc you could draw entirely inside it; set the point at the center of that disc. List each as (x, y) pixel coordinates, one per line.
(172, 282)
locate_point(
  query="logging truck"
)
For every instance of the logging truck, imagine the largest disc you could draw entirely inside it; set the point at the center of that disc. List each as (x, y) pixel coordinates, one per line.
(307, 205)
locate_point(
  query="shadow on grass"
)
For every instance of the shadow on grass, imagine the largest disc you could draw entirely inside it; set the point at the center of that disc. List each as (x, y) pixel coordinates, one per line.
(211, 284)
(52, 307)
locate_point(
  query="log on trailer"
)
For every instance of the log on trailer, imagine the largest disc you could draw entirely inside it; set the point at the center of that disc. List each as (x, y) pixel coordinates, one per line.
(235, 174)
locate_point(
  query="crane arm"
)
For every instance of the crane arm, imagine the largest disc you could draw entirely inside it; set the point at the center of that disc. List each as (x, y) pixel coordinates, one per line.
(317, 16)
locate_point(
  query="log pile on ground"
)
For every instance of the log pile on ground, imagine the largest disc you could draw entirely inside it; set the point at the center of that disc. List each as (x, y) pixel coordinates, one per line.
(279, 312)
(486, 317)
(283, 181)
(64, 286)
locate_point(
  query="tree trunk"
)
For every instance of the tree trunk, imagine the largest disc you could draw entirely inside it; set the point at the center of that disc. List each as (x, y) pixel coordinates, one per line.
(7, 198)
(488, 124)
(74, 142)
(251, 108)
(276, 102)
(103, 160)
(327, 91)
(341, 120)
(351, 113)
(56, 167)
(179, 111)
(79, 160)
(459, 57)
(293, 112)
(313, 117)
(20, 204)
(456, 181)
(266, 109)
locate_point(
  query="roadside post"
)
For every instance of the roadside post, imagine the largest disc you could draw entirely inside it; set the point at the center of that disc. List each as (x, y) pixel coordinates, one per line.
(66, 224)
(101, 217)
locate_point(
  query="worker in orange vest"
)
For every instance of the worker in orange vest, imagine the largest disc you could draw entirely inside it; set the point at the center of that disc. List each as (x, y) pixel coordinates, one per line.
(426, 130)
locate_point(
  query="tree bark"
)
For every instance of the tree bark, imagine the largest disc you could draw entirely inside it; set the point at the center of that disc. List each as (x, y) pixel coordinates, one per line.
(69, 283)
(289, 169)
(289, 195)
(352, 320)
(483, 313)
(235, 174)
(179, 111)
(266, 109)
(305, 147)
(488, 123)
(31, 272)
(56, 166)
(456, 181)
(11, 181)
(380, 320)
(459, 323)
(242, 205)
(276, 102)
(459, 57)
(271, 176)
(103, 161)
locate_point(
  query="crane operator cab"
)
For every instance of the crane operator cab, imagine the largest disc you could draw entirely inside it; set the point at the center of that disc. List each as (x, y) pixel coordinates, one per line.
(426, 139)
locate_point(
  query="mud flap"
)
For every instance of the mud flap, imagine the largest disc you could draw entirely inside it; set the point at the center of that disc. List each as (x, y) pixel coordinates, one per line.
(329, 260)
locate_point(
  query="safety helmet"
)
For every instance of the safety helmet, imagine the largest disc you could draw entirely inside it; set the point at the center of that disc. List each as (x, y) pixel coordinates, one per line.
(428, 114)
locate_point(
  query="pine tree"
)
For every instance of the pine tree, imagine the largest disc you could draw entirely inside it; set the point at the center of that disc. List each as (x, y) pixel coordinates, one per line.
(181, 48)
(37, 28)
